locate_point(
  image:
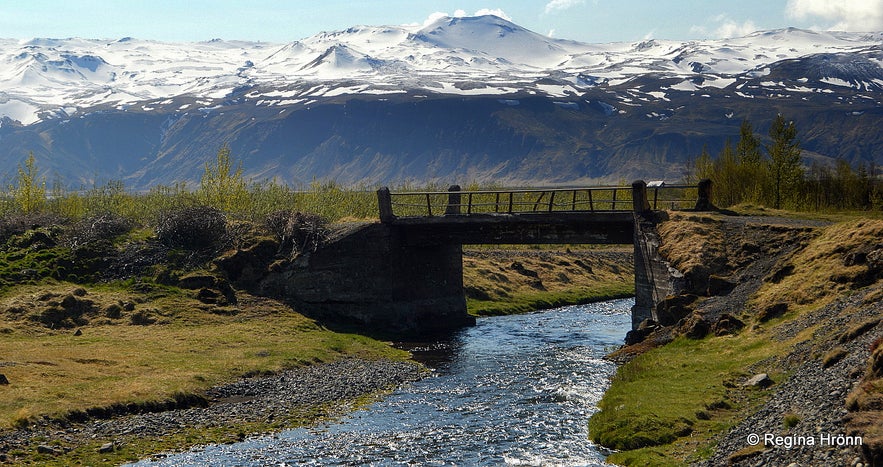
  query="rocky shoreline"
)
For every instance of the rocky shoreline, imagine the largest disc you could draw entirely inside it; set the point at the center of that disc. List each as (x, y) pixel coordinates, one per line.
(263, 400)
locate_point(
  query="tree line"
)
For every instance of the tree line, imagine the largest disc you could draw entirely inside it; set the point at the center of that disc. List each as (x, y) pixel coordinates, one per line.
(773, 175)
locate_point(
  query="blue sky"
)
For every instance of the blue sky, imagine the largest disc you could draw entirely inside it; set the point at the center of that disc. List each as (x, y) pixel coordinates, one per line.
(284, 21)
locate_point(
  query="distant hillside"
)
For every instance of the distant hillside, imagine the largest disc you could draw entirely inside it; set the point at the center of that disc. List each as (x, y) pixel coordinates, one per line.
(463, 99)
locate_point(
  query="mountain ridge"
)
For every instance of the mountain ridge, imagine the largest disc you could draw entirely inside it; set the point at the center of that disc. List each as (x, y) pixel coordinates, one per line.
(160, 110)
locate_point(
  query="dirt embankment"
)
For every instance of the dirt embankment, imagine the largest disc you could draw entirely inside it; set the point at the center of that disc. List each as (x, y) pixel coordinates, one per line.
(501, 281)
(812, 294)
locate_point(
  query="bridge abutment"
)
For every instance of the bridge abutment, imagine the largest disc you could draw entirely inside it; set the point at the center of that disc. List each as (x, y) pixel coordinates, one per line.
(373, 281)
(655, 279)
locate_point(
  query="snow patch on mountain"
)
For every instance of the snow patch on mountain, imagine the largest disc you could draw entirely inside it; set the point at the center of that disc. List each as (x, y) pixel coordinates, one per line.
(483, 55)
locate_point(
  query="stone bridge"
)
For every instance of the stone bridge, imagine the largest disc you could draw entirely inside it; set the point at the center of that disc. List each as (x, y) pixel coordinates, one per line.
(403, 276)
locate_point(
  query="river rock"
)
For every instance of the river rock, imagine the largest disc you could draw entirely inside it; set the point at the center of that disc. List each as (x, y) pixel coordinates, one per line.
(46, 449)
(638, 335)
(761, 380)
(727, 324)
(674, 308)
(718, 285)
(694, 326)
(197, 281)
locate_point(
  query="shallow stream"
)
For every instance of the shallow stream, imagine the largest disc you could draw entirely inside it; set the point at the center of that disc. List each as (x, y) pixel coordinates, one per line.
(513, 390)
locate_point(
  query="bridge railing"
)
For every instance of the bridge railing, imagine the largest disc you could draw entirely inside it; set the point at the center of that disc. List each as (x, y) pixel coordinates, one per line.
(521, 201)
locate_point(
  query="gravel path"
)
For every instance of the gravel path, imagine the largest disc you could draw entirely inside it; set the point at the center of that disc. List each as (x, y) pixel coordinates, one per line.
(264, 399)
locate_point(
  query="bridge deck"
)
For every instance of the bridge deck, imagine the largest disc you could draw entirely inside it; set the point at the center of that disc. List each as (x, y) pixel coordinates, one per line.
(524, 228)
(561, 215)
(635, 198)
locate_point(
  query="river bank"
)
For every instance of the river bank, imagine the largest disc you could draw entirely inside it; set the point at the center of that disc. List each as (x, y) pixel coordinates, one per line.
(499, 281)
(123, 370)
(511, 390)
(776, 336)
(226, 413)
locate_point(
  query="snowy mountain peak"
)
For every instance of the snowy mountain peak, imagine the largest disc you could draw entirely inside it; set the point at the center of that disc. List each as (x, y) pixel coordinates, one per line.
(494, 37)
(488, 55)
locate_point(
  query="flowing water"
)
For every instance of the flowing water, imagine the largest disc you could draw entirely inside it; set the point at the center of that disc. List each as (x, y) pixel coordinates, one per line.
(513, 390)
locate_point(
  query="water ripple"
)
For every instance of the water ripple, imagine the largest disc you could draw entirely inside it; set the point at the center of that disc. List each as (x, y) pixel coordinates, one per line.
(513, 390)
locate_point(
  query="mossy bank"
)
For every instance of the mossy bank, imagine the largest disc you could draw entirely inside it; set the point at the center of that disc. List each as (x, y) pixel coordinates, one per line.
(779, 333)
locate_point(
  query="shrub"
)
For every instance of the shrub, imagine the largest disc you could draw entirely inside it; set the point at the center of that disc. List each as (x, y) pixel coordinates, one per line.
(193, 228)
(298, 231)
(18, 223)
(29, 190)
(99, 227)
(223, 186)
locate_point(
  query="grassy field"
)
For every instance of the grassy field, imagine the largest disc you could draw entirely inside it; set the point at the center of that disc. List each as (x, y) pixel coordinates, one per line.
(187, 349)
(515, 280)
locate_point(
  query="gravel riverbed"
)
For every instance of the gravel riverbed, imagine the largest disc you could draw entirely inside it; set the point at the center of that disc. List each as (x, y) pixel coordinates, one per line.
(264, 399)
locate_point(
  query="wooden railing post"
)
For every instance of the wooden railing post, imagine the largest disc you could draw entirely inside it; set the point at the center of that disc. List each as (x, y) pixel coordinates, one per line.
(703, 201)
(453, 200)
(384, 202)
(640, 203)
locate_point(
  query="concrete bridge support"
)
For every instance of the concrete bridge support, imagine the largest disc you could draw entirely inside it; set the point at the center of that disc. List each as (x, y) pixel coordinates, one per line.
(373, 281)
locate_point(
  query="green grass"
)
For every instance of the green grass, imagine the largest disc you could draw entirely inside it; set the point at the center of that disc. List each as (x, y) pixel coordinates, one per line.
(527, 302)
(653, 402)
(187, 351)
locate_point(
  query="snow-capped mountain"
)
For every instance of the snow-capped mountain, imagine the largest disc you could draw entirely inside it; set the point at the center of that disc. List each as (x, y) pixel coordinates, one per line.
(42, 78)
(166, 88)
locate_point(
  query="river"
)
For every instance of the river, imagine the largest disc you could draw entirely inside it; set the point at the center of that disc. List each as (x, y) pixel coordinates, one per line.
(512, 390)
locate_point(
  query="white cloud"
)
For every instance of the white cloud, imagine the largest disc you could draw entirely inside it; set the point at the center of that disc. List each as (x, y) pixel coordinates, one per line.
(460, 13)
(434, 17)
(722, 27)
(842, 15)
(729, 28)
(495, 11)
(561, 5)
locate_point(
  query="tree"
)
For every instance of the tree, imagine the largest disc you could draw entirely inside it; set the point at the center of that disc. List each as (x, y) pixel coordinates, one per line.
(748, 147)
(727, 182)
(784, 164)
(29, 190)
(221, 185)
(704, 165)
(752, 171)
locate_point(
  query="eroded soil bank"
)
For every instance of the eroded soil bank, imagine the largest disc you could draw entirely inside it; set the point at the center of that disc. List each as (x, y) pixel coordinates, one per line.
(800, 302)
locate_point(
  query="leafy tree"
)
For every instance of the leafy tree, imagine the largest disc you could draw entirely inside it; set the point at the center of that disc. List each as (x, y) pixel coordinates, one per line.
(222, 186)
(29, 190)
(704, 165)
(727, 178)
(784, 164)
(748, 147)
